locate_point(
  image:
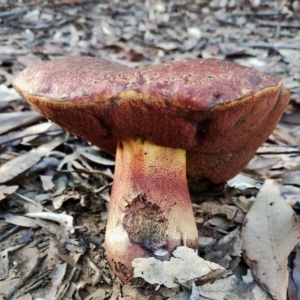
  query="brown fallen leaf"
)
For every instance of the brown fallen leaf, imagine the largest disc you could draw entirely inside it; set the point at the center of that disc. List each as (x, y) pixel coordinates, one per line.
(269, 234)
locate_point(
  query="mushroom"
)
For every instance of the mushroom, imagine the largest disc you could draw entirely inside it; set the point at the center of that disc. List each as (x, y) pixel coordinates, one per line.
(217, 113)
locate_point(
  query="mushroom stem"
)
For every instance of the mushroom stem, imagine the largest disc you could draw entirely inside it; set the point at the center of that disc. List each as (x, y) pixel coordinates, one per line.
(150, 211)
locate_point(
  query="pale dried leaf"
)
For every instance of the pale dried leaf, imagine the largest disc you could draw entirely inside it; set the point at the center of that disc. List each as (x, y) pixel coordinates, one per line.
(18, 165)
(47, 182)
(35, 207)
(97, 158)
(56, 278)
(67, 159)
(262, 164)
(183, 266)
(4, 260)
(7, 190)
(270, 233)
(27, 297)
(28, 59)
(242, 182)
(27, 134)
(8, 94)
(19, 220)
(255, 292)
(13, 120)
(219, 289)
(281, 135)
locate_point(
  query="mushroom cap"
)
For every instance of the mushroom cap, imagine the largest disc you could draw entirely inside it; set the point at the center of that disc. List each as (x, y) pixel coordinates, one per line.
(219, 111)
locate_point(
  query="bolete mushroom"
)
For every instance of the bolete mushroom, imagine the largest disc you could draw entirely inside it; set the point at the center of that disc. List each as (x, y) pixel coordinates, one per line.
(215, 112)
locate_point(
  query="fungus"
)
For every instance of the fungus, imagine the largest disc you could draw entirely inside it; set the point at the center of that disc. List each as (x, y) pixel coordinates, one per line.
(202, 117)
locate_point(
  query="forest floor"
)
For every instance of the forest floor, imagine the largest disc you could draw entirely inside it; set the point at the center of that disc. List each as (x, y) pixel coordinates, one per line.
(55, 188)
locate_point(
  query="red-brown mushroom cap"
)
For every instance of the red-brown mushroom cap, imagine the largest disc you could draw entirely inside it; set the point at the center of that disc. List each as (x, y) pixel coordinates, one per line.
(219, 111)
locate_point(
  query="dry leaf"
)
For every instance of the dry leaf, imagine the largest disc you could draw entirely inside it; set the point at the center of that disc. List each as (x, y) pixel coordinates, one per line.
(220, 289)
(64, 220)
(19, 220)
(296, 271)
(47, 182)
(226, 249)
(243, 181)
(4, 260)
(18, 165)
(13, 120)
(8, 94)
(255, 292)
(183, 266)
(270, 232)
(7, 190)
(97, 158)
(56, 278)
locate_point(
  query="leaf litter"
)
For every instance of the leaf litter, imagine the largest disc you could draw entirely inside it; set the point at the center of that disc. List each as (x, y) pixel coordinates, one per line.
(55, 187)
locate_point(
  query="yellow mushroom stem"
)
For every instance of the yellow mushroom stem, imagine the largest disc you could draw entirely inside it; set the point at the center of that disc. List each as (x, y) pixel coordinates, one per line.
(150, 211)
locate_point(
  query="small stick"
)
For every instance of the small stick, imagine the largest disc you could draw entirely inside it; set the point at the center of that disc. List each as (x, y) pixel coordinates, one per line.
(9, 233)
(271, 45)
(278, 153)
(22, 281)
(33, 287)
(281, 24)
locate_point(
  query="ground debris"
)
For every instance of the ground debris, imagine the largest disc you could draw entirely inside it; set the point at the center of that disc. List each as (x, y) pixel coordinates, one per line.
(55, 187)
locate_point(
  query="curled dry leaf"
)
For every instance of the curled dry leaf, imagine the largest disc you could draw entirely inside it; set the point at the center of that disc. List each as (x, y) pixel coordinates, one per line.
(183, 266)
(269, 234)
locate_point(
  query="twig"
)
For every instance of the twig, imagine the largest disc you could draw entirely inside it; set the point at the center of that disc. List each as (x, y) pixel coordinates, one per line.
(100, 190)
(280, 24)
(277, 153)
(257, 13)
(67, 283)
(22, 281)
(84, 171)
(8, 141)
(34, 286)
(9, 233)
(270, 45)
